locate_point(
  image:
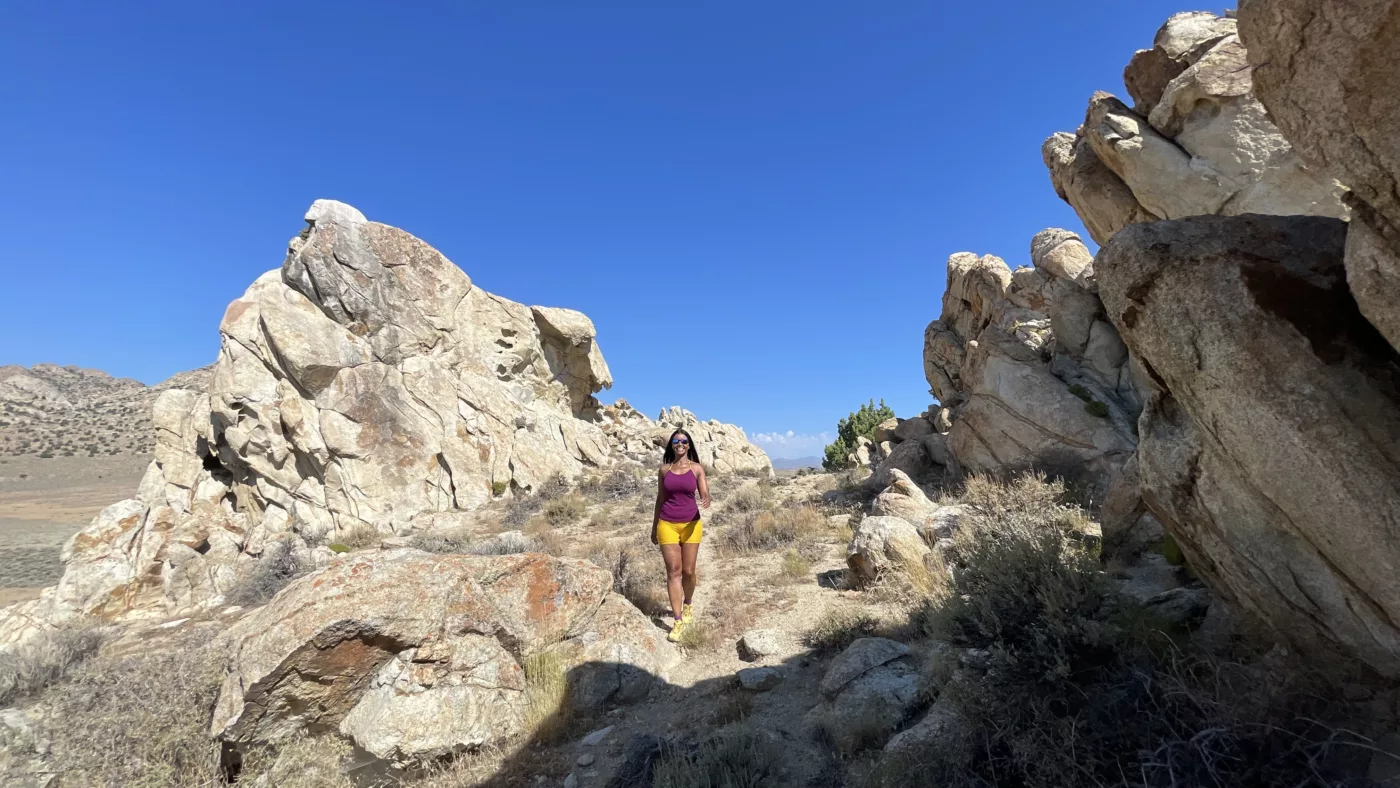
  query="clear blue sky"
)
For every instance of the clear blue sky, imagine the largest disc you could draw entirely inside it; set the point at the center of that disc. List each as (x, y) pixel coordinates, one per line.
(753, 201)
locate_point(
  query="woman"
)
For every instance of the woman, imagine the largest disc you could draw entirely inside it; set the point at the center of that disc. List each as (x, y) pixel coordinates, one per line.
(681, 491)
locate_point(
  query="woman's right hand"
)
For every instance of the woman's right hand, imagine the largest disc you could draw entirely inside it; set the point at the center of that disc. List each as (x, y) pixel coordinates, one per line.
(654, 540)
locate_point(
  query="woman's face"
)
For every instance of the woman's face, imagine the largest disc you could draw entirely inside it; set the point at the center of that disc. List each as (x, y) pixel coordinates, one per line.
(680, 445)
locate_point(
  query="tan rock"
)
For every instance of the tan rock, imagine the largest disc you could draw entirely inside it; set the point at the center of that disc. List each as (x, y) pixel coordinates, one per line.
(883, 544)
(415, 656)
(1279, 423)
(1326, 72)
(1103, 201)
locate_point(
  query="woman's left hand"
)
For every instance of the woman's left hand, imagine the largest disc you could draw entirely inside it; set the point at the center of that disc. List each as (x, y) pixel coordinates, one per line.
(705, 502)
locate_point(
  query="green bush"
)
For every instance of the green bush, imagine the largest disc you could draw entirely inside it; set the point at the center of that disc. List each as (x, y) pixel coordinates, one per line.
(1096, 408)
(1081, 392)
(860, 424)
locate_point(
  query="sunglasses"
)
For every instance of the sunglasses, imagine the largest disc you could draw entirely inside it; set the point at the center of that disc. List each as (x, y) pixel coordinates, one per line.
(679, 442)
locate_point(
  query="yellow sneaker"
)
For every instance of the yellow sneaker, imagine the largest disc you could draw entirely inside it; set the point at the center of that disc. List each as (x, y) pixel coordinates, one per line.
(677, 629)
(687, 615)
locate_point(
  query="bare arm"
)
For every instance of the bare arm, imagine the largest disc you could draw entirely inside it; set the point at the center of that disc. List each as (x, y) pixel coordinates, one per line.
(660, 496)
(702, 486)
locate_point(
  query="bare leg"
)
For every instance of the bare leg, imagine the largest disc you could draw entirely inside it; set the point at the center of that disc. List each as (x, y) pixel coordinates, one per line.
(689, 553)
(671, 554)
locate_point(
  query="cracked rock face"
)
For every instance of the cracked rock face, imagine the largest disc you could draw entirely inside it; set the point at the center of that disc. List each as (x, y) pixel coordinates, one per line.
(1271, 447)
(415, 657)
(1019, 358)
(1196, 142)
(1326, 71)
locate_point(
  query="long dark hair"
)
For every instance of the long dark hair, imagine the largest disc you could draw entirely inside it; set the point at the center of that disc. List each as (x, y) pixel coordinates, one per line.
(690, 454)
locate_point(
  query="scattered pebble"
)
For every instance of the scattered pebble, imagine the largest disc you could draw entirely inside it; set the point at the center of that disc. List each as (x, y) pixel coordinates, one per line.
(587, 759)
(596, 737)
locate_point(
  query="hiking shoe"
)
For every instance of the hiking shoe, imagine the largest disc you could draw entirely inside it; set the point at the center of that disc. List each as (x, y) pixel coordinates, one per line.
(677, 629)
(687, 615)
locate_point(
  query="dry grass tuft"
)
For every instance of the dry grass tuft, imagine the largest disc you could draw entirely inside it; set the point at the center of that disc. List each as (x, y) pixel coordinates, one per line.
(771, 530)
(442, 542)
(740, 759)
(548, 711)
(359, 537)
(261, 582)
(849, 736)
(753, 497)
(698, 635)
(138, 720)
(839, 627)
(305, 762)
(615, 486)
(565, 509)
(795, 567)
(48, 658)
(638, 575)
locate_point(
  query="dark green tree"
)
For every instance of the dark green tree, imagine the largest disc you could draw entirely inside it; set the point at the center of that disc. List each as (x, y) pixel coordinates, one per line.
(860, 424)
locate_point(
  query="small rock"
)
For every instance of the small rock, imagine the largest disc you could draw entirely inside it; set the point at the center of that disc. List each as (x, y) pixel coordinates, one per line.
(1183, 606)
(760, 679)
(759, 643)
(861, 656)
(587, 759)
(596, 737)
(571, 781)
(395, 542)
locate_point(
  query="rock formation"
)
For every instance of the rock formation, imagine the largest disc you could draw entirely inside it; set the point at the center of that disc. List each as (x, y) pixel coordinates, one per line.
(1326, 72)
(365, 386)
(1235, 336)
(1272, 448)
(414, 657)
(1198, 142)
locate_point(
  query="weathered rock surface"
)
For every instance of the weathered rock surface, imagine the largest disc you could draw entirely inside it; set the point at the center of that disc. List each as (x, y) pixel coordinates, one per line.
(861, 656)
(1272, 451)
(1197, 142)
(1326, 69)
(883, 544)
(1018, 358)
(416, 656)
(759, 643)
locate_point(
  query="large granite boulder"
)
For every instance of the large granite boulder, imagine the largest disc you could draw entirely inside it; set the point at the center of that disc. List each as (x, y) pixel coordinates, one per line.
(1326, 70)
(1272, 448)
(414, 657)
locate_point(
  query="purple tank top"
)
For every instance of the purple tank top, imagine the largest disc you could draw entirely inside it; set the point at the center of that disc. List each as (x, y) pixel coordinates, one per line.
(678, 504)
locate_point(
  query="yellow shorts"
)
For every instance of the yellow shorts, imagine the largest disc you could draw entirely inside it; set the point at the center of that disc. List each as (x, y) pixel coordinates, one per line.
(668, 532)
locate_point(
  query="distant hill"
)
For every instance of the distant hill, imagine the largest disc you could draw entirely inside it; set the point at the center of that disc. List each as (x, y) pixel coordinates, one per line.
(790, 463)
(51, 411)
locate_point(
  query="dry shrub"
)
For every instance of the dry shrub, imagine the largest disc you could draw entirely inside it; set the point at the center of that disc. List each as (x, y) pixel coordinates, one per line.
(304, 761)
(359, 537)
(601, 520)
(38, 663)
(771, 530)
(139, 720)
(741, 758)
(638, 575)
(548, 712)
(749, 498)
(553, 487)
(553, 543)
(270, 574)
(614, 486)
(1073, 690)
(848, 736)
(445, 542)
(795, 567)
(565, 509)
(839, 627)
(731, 706)
(698, 635)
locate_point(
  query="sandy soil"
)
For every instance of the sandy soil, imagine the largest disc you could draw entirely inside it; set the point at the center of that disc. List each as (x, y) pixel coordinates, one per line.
(42, 503)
